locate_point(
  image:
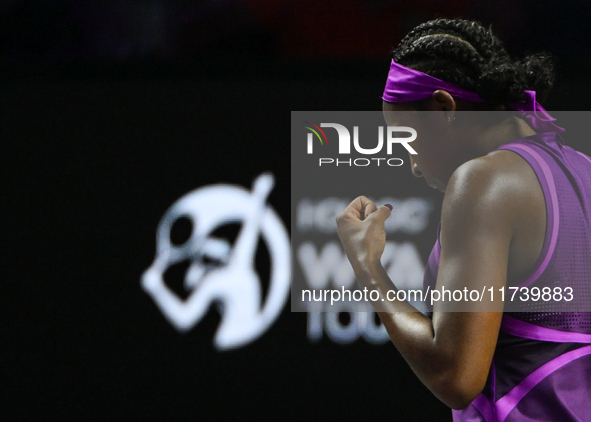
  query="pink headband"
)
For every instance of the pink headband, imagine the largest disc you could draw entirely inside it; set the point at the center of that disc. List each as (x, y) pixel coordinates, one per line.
(405, 84)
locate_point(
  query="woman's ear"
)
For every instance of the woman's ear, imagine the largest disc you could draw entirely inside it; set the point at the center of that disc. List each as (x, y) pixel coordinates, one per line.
(442, 100)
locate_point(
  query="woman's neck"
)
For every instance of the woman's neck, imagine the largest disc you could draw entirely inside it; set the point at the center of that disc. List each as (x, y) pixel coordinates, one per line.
(507, 130)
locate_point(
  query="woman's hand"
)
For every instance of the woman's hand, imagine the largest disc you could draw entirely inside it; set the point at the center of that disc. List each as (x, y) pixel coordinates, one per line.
(360, 227)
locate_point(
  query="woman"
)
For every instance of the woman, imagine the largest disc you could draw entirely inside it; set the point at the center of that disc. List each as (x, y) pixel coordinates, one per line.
(516, 213)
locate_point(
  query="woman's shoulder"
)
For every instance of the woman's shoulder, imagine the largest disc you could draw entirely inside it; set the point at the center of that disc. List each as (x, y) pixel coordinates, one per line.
(500, 178)
(499, 194)
(499, 189)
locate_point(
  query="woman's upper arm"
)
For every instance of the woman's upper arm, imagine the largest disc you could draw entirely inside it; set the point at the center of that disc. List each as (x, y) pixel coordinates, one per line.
(476, 232)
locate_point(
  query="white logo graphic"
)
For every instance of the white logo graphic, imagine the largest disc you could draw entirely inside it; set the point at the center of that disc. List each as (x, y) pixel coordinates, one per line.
(345, 139)
(392, 137)
(233, 282)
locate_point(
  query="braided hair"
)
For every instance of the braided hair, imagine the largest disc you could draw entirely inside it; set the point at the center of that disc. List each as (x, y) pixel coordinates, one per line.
(467, 54)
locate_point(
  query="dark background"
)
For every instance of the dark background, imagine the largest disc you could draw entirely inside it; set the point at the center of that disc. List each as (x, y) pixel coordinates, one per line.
(112, 110)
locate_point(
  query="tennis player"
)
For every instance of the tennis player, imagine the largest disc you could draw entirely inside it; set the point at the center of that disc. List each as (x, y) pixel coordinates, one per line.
(516, 213)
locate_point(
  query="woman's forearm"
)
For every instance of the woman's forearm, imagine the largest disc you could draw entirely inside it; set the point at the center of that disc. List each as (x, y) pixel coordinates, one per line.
(436, 361)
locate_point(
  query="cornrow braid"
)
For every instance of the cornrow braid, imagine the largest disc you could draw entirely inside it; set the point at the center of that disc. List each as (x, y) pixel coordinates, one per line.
(467, 54)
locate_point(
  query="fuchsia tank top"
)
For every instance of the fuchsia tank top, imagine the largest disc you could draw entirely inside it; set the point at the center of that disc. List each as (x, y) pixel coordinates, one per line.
(541, 370)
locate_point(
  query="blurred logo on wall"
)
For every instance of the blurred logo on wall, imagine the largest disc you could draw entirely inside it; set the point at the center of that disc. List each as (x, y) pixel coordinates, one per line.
(221, 270)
